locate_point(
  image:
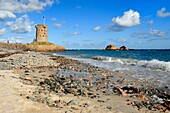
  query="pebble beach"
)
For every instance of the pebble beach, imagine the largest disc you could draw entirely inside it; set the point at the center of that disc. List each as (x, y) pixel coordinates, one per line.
(33, 82)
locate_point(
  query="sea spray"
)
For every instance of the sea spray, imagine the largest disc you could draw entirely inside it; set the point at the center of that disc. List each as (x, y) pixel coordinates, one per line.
(155, 64)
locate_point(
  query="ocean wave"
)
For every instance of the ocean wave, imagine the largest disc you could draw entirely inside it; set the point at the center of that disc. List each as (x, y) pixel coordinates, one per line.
(54, 54)
(114, 60)
(152, 64)
(102, 58)
(155, 64)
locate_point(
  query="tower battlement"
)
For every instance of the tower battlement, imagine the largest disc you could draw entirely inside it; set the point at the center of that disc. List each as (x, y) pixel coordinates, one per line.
(41, 33)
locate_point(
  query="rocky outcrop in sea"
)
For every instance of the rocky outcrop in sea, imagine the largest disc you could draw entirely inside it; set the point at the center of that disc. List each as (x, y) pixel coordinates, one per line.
(113, 47)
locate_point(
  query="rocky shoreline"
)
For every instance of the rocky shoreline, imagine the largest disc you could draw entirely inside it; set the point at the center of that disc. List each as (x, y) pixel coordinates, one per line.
(72, 86)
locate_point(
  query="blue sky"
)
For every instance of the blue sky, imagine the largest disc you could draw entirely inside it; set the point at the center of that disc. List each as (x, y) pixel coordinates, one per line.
(90, 24)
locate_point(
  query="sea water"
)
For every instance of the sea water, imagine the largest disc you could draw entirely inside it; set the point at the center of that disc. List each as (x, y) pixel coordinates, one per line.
(152, 65)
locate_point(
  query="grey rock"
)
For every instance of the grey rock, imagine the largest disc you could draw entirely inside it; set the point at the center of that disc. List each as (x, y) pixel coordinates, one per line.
(72, 102)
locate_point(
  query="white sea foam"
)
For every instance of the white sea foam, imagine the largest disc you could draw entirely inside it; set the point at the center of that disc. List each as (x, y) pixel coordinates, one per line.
(54, 54)
(114, 60)
(155, 64)
(152, 64)
(102, 58)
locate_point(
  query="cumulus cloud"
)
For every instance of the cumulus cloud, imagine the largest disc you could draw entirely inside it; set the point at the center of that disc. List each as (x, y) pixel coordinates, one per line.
(18, 6)
(57, 25)
(2, 31)
(149, 22)
(156, 33)
(129, 19)
(162, 13)
(21, 25)
(97, 28)
(6, 14)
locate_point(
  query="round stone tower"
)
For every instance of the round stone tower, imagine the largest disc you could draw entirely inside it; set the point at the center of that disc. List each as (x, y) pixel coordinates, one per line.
(41, 33)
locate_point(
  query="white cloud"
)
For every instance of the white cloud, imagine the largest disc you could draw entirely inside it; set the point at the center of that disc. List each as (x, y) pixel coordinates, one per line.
(13, 39)
(70, 34)
(156, 33)
(149, 22)
(6, 14)
(2, 31)
(153, 34)
(129, 19)
(140, 34)
(57, 25)
(16, 39)
(18, 6)
(162, 13)
(53, 19)
(21, 25)
(8, 24)
(76, 33)
(97, 28)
